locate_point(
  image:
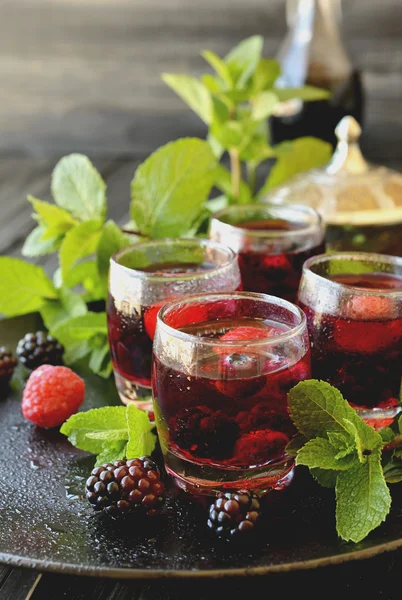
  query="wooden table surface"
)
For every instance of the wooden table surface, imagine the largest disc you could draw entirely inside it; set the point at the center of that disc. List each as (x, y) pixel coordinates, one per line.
(84, 76)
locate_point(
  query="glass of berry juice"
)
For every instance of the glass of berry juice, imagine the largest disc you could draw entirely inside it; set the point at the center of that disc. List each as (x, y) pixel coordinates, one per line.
(353, 304)
(142, 278)
(223, 365)
(272, 242)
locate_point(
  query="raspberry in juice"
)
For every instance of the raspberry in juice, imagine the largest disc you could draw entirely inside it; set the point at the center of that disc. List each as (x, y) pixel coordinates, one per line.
(272, 272)
(359, 349)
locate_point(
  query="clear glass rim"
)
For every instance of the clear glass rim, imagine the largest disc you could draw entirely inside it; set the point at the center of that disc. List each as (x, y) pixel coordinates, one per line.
(294, 330)
(310, 228)
(351, 256)
(179, 242)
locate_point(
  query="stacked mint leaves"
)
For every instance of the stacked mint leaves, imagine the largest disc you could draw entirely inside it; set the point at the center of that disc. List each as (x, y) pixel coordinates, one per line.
(345, 453)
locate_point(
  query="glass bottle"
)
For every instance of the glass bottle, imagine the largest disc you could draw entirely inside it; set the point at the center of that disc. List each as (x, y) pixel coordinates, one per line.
(312, 53)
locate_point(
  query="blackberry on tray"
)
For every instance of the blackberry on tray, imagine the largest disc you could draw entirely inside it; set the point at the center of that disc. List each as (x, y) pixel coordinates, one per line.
(40, 348)
(126, 486)
(234, 514)
(7, 364)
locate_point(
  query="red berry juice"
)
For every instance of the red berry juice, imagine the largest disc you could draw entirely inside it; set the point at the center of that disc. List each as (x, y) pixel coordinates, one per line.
(361, 355)
(275, 273)
(131, 329)
(229, 423)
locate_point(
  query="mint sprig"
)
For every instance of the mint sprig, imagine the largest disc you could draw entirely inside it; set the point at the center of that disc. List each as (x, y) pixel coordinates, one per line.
(112, 433)
(235, 102)
(341, 451)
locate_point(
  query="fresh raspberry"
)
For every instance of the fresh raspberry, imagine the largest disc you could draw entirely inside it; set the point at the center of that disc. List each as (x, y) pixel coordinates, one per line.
(51, 395)
(248, 333)
(277, 262)
(150, 318)
(259, 447)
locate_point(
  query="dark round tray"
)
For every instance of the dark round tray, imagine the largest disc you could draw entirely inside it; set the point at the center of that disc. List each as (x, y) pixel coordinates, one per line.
(45, 522)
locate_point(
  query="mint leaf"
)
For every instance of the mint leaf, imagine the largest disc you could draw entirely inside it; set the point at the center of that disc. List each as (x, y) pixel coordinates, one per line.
(69, 304)
(263, 105)
(392, 468)
(220, 67)
(108, 419)
(317, 408)
(78, 188)
(99, 361)
(320, 453)
(77, 333)
(24, 287)
(325, 477)
(193, 92)
(362, 499)
(111, 453)
(242, 60)
(36, 245)
(79, 242)
(344, 444)
(113, 435)
(307, 92)
(265, 75)
(86, 274)
(111, 240)
(54, 219)
(169, 189)
(295, 157)
(366, 438)
(141, 440)
(212, 83)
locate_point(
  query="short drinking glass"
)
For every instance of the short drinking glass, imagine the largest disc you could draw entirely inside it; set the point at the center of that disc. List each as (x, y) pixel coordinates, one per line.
(223, 365)
(272, 242)
(141, 279)
(353, 304)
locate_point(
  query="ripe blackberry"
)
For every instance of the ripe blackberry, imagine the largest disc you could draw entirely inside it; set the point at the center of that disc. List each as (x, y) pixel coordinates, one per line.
(234, 514)
(204, 432)
(126, 486)
(36, 349)
(7, 364)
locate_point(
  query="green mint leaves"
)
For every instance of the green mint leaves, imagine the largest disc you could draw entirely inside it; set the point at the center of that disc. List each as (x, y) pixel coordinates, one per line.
(112, 433)
(85, 336)
(344, 452)
(170, 188)
(25, 287)
(235, 103)
(78, 188)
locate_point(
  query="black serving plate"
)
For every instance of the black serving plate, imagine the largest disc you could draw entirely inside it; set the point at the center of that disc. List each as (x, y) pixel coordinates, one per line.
(45, 522)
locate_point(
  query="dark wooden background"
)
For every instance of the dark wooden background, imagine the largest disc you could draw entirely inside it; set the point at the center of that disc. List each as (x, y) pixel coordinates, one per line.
(84, 76)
